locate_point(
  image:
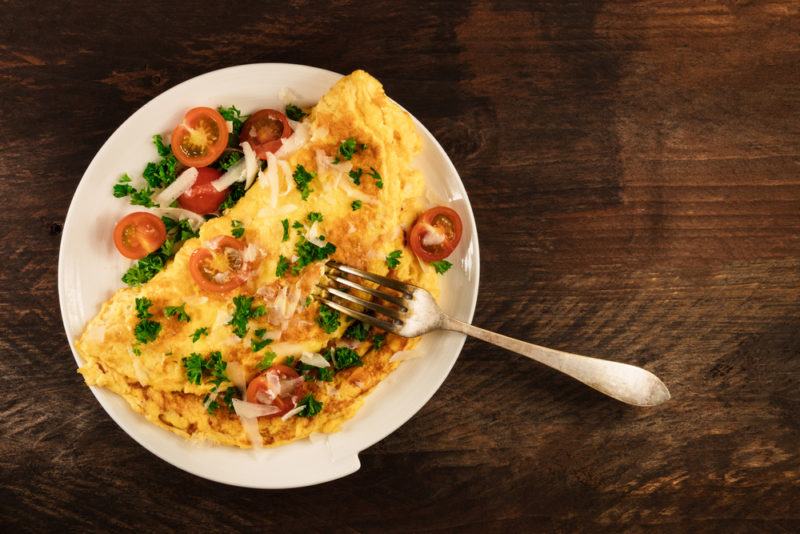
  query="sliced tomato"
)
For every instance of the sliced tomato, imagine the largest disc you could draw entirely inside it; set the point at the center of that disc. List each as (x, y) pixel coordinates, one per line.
(258, 389)
(435, 234)
(138, 234)
(220, 267)
(202, 198)
(265, 130)
(200, 138)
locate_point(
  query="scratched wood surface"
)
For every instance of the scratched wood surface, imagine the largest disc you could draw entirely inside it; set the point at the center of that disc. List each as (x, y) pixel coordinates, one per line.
(634, 168)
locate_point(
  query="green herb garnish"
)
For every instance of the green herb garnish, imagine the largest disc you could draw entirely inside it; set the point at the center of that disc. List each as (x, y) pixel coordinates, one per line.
(236, 192)
(237, 229)
(393, 259)
(355, 205)
(347, 149)
(355, 175)
(258, 344)
(178, 311)
(294, 113)
(377, 177)
(356, 330)
(344, 358)
(311, 406)
(307, 253)
(441, 266)
(314, 216)
(328, 319)
(242, 313)
(302, 178)
(378, 341)
(146, 330)
(283, 266)
(237, 120)
(285, 224)
(203, 331)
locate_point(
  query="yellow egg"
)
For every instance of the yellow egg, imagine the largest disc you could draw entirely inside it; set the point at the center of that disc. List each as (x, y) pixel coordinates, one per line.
(155, 382)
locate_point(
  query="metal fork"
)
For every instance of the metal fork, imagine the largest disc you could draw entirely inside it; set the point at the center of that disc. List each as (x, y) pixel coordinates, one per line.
(413, 312)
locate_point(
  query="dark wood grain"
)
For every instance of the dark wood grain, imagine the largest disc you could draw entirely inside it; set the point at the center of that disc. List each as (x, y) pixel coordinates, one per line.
(634, 168)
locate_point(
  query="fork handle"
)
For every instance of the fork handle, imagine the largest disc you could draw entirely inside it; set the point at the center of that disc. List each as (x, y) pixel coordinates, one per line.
(626, 383)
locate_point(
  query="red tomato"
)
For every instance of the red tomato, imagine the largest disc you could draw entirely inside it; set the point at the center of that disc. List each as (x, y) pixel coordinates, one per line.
(435, 234)
(200, 138)
(219, 281)
(138, 234)
(265, 130)
(283, 401)
(202, 198)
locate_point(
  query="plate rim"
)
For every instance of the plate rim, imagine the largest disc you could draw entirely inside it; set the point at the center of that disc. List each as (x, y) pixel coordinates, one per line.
(354, 461)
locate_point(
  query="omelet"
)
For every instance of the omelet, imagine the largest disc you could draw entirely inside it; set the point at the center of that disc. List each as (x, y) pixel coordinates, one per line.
(365, 222)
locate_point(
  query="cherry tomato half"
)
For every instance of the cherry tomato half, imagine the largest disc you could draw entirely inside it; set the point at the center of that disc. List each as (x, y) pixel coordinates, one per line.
(282, 401)
(265, 130)
(204, 265)
(202, 198)
(200, 138)
(138, 234)
(435, 234)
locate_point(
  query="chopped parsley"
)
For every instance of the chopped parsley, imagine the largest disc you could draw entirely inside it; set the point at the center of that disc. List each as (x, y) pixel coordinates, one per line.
(378, 341)
(266, 361)
(393, 259)
(311, 406)
(236, 192)
(355, 175)
(212, 367)
(302, 178)
(178, 311)
(242, 313)
(259, 343)
(441, 266)
(260, 332)
(344, 358)
(378, 178)
(328, 319)
(227, 399)
(229, 159)
(162, 173)
(357, 330)
(146, 330)
(308, 301)
(308, 252)
(347, 149)
(314, 216)
(283, 266)
(237, 120)
(138, 197)
(194, 365)
(198, 333)
(355, 205)
(237, 229)
(325, 374)
(294, 113)
(285, 224)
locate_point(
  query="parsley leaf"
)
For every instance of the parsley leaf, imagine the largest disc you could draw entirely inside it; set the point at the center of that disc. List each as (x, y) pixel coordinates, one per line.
(325, 374)
(161, 173)
(378, 178)
(237, 230)
(140, 197)
(161, 148)
(314, 216)
(258, 344)
(283, 266)
(357, 330)
(237, 119)
(217, 366)
(393, 259)
(178, 311)
(312, 406)
(294, 113)
(355, 175)
(441, 266)
(355, 205)
(285, 224)
(302, 178)
(308, 252)
(378, 341)
(194, 365)
(242, 313)
(344, 358)
(235, 193)
(199, 332)
(347, 149)
(266, 361)
(328, 319)
(229, 159)
(146, 330)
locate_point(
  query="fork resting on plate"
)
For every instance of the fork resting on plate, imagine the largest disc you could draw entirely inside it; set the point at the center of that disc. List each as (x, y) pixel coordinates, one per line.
(411, 311)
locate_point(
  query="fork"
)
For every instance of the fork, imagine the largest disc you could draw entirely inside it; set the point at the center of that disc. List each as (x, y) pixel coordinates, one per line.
(414, 312)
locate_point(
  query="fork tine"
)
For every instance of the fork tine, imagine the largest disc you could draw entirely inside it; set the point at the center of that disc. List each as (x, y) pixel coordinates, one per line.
(373, 292)
(369, 319)
(406, 289)
(389, 312)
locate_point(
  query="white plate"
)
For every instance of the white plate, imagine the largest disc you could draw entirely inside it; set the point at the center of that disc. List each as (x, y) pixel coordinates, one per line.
(89, 271)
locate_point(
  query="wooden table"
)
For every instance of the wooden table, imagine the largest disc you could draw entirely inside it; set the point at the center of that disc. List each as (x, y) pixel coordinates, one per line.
(635, 174)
